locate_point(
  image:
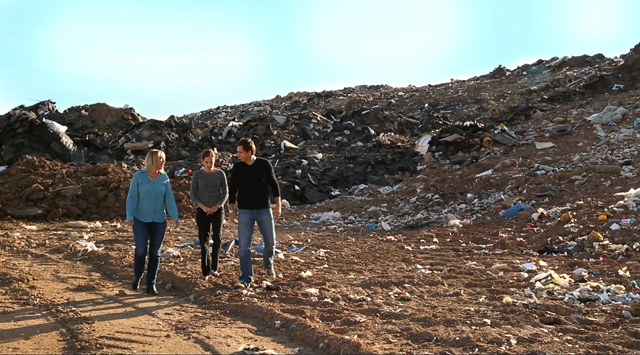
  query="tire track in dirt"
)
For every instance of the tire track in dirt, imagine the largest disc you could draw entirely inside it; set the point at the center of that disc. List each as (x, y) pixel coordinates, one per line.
(27, 329)
(79, 311)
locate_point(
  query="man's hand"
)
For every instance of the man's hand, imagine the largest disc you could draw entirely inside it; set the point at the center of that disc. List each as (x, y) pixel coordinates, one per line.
(278, 210)
(129, 222)
(176, 224)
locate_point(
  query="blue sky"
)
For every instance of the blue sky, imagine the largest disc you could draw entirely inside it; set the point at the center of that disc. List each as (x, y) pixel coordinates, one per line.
(177, 57)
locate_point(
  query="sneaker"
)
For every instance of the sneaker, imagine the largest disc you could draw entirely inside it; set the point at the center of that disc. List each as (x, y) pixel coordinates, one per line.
(240, 284)
(271, 273)
(135, 284)
(215, 273)
(203, 277)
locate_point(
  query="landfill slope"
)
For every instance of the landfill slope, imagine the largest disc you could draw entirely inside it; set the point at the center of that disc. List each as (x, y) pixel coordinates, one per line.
(514, 231)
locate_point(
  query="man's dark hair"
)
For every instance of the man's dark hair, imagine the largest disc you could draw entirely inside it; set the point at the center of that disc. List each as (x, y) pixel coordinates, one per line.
(247, 145)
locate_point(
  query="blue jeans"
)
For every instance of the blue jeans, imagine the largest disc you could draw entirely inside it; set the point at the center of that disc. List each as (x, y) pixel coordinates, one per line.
(151, 234)
(246, 222)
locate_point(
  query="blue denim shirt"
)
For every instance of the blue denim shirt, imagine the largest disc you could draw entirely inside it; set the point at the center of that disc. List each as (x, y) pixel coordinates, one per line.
(147, 199)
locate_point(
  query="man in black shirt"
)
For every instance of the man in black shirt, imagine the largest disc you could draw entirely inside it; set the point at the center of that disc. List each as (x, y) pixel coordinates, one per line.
(250, 181)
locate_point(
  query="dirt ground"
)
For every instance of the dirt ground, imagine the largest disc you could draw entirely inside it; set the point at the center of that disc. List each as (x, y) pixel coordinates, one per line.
(425, 266)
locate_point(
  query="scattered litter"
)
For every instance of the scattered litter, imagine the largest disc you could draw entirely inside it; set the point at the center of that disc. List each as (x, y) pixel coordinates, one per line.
(89, 246)
(328, 217)
(485, 173)
(170, 253)
(515, 209)
(82, 224)
(544, 145)
(294, 249)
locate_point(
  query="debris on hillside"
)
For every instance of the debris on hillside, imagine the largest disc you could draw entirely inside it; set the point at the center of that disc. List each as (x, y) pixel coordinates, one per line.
(509, 200)
(324, 143)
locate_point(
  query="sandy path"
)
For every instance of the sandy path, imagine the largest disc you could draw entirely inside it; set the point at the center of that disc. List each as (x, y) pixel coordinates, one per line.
(50, 305)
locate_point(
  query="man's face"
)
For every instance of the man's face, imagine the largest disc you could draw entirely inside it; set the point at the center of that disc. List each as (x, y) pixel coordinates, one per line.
(244, 156)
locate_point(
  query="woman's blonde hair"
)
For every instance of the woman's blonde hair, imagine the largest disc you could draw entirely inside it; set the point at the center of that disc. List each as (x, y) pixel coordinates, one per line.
(151, 160)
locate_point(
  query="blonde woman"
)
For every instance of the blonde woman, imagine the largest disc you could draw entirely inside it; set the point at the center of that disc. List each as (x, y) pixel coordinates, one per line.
(149, 200)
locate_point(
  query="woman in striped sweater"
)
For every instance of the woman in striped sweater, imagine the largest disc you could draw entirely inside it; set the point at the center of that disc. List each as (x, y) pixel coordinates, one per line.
(209, 192)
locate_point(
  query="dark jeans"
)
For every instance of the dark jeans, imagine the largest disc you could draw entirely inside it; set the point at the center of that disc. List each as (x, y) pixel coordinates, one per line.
(206, 223)
(151, 234)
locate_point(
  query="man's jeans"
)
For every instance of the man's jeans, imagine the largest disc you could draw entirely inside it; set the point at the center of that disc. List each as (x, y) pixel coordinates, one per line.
(246, 222)
(151, 233)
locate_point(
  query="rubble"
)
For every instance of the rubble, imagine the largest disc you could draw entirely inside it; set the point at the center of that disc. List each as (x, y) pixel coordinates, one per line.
(323, 143)
(491, 196)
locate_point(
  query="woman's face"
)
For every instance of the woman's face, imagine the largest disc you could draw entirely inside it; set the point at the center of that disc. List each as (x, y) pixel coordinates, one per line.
(161, 160)
(208, 162)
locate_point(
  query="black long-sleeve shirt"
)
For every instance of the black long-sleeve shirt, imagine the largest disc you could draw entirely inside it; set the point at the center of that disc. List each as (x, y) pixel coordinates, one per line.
(251, 184)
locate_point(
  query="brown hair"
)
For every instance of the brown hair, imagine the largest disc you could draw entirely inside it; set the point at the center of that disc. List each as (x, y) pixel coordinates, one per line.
(247, 145)
(209, 153)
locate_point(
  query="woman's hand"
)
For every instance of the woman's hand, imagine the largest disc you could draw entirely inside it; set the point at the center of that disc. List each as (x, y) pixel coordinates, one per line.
(176, 224)
(129, 222)
(212, 210)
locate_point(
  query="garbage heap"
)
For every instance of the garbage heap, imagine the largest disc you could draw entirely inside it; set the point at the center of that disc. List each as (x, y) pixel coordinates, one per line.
(324, 143)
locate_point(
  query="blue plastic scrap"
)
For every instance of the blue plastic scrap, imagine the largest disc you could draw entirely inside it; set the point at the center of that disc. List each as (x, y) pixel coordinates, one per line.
(260, 249)
(228, 245)
(515, 209)
(294, 249)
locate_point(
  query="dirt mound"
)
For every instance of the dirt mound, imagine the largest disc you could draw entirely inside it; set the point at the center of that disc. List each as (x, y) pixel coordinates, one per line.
(36, 188)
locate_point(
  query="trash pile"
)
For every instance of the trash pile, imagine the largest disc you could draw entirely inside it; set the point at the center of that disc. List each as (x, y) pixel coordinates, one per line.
(323, 144)
(549, 284)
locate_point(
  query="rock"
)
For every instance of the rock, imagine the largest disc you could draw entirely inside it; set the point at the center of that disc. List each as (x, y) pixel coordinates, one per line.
(549, 320)
(70, 191)
(537, 115)
(79, 224)
(34, 193)
(74, 211)
(28, 212)
(55, 213)
(595, 237)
